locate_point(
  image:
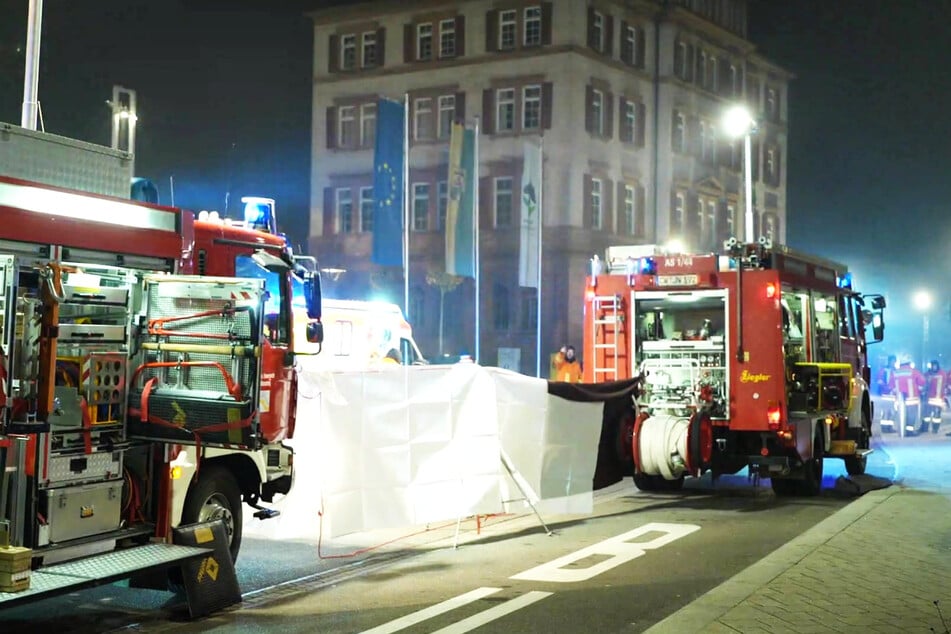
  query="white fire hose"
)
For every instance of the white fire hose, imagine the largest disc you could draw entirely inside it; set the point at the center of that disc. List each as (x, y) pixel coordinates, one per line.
(662, 445)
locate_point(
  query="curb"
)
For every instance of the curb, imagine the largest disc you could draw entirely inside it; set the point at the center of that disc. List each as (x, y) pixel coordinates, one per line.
(709, 607)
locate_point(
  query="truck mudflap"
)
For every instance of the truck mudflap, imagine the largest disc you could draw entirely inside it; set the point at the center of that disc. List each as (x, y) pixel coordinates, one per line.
(672, 446)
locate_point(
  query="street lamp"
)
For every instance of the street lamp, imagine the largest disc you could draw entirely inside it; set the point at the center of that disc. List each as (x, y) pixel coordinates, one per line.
(738, 122)
(922, 300)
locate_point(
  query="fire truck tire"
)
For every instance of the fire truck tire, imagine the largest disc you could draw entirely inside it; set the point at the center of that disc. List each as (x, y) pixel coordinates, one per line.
(783, 487)
(657, 483)
(855, 465)
(216, 496)
(811, 483)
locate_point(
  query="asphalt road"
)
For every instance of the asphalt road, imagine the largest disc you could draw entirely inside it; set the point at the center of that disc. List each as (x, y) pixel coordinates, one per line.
(292, 585)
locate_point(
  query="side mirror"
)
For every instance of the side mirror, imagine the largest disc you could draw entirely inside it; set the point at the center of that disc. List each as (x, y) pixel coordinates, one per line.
(878, 301)
(878, 327)
(315, 332)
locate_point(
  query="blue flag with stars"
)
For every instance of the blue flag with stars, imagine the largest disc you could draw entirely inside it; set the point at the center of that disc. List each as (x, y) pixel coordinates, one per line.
(388, 184)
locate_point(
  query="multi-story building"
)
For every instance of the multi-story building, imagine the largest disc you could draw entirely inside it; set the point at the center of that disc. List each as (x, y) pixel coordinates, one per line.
(627, 97)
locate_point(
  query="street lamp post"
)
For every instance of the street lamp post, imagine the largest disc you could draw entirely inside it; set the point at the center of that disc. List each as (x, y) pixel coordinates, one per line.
(922, 300)
(738, 122)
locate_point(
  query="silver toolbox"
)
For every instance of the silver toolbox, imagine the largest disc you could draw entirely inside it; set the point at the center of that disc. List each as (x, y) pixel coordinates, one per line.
(81, 511)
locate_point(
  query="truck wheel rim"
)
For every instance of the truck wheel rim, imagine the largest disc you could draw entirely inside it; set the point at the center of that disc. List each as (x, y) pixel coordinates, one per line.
(216, 507)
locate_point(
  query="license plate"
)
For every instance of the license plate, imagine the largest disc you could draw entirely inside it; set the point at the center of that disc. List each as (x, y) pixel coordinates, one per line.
(677, 280)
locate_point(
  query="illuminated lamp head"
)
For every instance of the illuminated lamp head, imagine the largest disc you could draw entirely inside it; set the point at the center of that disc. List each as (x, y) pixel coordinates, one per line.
(259, 214)
(844, 281)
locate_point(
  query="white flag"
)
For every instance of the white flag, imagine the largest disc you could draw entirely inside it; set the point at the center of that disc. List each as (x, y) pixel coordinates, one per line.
(528, 253)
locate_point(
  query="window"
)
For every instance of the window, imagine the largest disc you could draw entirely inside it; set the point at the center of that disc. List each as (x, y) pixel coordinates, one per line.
(734, 81)
(503, 202)
(597, 31)
(505, 109)
(597, 112)
(597, 213)
(529, 311)
(629, 217)
(348, 52)
(423, 118)
(532, 107)
(702, 67)
(347, 127)
(344, 211)
(369, 49)
(278, 325)
(629, 48)
(447, 38)
(771, 108)
(447, 114)
(679, 141)
(500, 307)
(771, 164)
(533, 26)
(677, 216)
(682, 61)
(629, 130)
(507, 29)
(424, 41)
(367, 124)
(442, 191)
(366, 209)
(730, 221)
(714, 74)
(703, 140)
(420, 206)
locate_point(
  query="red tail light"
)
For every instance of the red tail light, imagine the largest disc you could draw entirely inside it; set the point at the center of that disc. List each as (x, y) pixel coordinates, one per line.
(774, 416)
(770, 291)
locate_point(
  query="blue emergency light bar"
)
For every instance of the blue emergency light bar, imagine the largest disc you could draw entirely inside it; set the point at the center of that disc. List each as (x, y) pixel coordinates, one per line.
(259, 213)
(844, 281)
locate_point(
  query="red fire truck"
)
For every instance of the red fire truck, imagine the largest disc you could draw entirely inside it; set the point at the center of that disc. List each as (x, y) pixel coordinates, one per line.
(753, 358)
(146, 377)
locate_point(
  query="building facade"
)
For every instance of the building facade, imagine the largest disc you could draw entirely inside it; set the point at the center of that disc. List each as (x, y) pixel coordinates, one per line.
(626, 98)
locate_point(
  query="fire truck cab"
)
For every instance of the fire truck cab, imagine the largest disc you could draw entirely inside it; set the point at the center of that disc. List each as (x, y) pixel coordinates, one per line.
(756, 357)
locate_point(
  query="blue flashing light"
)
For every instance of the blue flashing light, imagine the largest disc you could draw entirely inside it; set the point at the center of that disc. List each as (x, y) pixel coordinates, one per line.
(259, 213)
(648, 266)
(844, 281)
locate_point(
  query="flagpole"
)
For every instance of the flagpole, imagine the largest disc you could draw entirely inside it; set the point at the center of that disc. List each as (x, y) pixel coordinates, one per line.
(406, 186)
(538, 285)
(475, 232)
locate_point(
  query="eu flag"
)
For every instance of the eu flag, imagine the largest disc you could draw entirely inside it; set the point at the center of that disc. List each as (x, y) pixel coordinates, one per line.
(388, 158)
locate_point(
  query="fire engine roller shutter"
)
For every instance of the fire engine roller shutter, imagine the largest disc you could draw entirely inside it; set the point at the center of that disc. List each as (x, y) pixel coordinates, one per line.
(618, 405)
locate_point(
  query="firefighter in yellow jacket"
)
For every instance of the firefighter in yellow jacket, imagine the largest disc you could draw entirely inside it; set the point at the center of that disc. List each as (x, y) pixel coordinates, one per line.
(565, 366)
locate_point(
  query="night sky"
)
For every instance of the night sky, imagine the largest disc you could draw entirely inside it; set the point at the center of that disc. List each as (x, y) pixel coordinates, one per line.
(224, 93)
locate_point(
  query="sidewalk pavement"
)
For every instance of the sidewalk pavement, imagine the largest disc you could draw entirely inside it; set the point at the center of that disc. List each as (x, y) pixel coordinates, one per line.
(877, 565)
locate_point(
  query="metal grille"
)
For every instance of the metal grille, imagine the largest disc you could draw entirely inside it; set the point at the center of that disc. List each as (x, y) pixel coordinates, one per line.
(238, 327)
(116, 564)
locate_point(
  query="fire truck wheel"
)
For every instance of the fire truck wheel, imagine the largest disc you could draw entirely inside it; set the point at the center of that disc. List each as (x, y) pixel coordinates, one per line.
(216, 496)
(783, 487)
(811, 483)
(855, 465)
(657, 483)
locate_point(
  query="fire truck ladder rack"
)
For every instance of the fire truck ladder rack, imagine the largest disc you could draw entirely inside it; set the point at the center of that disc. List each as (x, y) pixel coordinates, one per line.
(608, 324)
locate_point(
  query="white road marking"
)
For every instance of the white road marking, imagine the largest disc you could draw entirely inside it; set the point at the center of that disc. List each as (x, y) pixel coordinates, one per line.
(435, 610)
(620, 550)
(486, 616)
